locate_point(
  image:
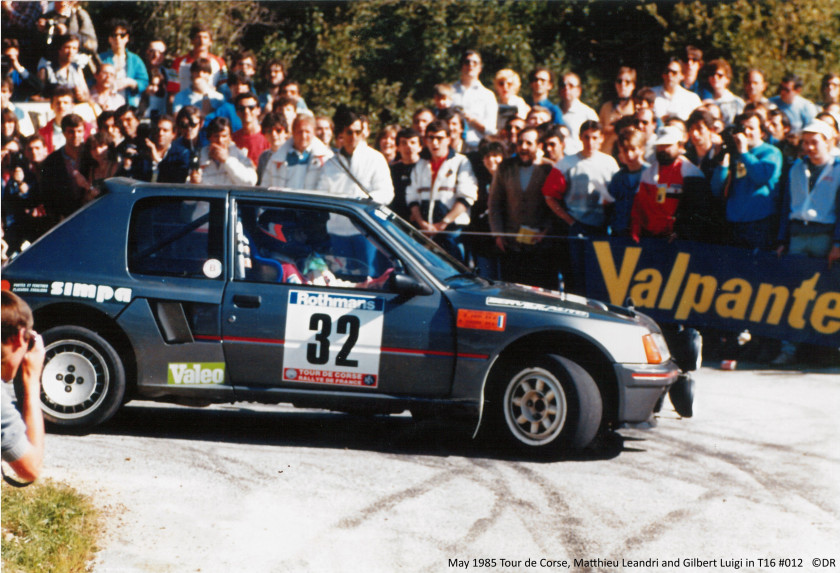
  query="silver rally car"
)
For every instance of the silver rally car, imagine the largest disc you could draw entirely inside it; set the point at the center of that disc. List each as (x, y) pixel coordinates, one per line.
(198, 295)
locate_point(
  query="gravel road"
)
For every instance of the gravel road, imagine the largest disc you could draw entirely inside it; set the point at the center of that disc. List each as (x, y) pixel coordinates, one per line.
(754, 475)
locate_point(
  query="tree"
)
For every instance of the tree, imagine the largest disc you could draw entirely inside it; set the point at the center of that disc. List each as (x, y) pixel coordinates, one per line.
(776, 36)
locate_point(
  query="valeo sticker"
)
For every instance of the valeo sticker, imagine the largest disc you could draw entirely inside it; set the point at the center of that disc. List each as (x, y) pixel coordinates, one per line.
(201, 373)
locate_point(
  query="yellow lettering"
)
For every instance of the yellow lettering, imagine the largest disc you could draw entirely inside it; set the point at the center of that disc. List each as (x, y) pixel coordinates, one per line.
(689, 301)
(617, 282)
(734, 305)
(827, 306)
(644, 293)
(674, 281)
(780, 296)
(803, 294)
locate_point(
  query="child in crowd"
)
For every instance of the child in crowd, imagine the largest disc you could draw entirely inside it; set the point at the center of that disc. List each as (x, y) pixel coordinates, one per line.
(443, 97)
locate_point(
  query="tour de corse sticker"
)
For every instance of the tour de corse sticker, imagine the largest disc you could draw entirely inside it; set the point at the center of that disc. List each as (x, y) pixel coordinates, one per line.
(333, 338)
(212, 268)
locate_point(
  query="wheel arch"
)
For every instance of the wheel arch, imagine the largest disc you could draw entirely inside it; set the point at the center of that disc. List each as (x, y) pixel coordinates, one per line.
(73, 314)
(584, 352)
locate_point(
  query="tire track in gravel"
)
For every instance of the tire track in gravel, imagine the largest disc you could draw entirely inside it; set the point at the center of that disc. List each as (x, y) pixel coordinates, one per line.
(771, 481)
(489, 475)
(559, 517)
(388, 502)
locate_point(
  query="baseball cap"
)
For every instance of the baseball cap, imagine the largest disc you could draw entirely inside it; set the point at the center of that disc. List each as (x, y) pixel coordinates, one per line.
(668, 135)
(821, 127)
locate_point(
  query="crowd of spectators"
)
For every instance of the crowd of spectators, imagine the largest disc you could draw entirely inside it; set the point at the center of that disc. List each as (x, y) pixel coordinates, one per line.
(503, 181)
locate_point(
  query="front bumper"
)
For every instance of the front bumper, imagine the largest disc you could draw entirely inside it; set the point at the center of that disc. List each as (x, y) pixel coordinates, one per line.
(640, 387)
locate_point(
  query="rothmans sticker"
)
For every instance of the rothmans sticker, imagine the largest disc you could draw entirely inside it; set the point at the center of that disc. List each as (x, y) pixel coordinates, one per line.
(482, 320)
(333, 338)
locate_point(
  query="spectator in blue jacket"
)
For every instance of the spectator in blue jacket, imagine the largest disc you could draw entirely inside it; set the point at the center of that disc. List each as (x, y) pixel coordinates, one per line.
(132, 77)
(747, 181)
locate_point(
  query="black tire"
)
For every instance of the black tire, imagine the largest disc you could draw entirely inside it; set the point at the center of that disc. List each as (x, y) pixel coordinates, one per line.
(544, 405)
(83, 383)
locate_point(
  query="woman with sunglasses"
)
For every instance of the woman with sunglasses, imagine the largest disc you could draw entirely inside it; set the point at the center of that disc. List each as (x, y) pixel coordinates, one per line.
(131, 75)
(622, 105)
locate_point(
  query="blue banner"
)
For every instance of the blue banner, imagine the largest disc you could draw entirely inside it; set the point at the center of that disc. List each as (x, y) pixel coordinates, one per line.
(792, 297)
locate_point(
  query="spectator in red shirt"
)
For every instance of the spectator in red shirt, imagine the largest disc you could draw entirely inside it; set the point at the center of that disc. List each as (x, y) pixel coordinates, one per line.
(250, 138)
(201, 38)
(673, 194)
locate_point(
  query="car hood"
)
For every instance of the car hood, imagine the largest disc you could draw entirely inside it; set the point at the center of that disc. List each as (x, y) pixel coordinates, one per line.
(515, 296)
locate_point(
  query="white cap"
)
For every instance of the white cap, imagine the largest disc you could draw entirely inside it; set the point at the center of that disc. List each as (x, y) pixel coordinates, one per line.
(821, 127)
(668, 135)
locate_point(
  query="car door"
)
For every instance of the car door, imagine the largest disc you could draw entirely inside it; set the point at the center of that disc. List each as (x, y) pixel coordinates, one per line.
(309, 308)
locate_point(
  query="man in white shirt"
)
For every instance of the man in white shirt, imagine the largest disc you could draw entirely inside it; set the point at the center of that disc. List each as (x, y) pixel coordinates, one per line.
(221, 162)
(575, 112)
(299, 161)
(671, 97)
(357, 170)
(479, 103)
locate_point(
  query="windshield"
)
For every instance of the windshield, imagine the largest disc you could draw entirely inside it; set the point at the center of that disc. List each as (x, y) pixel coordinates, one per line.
(434, 258)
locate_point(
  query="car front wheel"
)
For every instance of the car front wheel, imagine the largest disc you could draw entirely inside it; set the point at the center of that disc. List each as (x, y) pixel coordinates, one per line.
(83, 381)
(546, 404)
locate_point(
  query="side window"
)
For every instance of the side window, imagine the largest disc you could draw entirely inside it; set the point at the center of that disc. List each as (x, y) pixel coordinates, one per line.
(307, 246)
(181, 237)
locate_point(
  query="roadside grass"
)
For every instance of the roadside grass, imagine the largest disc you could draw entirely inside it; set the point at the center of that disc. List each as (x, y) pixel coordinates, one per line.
(47, 526)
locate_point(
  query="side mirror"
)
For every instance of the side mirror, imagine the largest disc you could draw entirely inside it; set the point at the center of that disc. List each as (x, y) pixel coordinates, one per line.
(402, 283)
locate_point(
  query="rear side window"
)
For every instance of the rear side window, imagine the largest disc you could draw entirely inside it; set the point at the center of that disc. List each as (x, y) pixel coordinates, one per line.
(177, 236)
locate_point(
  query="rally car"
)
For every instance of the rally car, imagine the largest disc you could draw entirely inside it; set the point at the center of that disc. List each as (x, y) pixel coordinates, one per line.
(197, 295)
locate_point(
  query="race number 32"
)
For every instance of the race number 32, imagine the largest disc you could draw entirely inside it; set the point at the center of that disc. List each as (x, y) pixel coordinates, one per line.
(318, 352)
(333, 338)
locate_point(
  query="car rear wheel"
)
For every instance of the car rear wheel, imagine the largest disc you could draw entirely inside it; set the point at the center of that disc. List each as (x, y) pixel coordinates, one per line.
(83, 382)
(547, 405)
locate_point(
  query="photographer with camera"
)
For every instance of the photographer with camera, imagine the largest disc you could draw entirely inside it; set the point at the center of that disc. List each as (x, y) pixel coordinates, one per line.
(23, 429)
(747, 182)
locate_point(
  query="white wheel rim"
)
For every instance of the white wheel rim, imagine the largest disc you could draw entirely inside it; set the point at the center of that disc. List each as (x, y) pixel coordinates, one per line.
(535, 407)
(75, 380)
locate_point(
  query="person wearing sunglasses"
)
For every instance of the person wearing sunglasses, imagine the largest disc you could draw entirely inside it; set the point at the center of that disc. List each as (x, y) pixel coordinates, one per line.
(250, 137)
(23, 428)
(479, 103)
(719, 74)
(671, 97)
(691, 66)
(132, 79)
(182, 155)
(622, 105)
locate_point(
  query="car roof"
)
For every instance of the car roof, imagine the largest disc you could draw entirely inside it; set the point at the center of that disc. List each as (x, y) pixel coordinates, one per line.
(128, 185)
